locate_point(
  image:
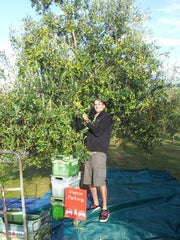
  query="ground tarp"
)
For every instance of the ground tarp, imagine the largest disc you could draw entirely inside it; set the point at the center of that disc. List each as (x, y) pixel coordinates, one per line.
(144, 204)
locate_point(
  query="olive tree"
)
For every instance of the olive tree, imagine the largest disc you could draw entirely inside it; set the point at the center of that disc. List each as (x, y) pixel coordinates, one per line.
(91, 49)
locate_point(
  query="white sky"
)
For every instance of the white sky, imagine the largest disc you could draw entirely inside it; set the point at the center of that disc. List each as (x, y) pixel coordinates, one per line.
(165, 25)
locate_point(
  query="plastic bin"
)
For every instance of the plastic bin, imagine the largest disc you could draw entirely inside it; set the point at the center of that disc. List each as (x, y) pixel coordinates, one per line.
(60, 183)
(64, 166)
(34, 223)
(41, 234)
(57, 208)
(15, 218)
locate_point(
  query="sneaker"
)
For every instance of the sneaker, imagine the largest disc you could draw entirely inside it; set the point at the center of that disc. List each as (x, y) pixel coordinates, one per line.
(94, 208)
(104, 216)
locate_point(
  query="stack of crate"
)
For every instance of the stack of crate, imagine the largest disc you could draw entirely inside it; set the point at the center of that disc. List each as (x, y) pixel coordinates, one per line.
(65, 173)
(38, 226)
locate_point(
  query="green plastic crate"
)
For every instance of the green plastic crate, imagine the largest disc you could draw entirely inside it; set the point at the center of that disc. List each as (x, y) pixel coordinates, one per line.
(57, 206)
(65, 166)
(18, 219)
(15, 218)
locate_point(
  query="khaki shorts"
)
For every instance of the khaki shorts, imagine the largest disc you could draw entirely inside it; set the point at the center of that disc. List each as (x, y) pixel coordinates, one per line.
(95, 170)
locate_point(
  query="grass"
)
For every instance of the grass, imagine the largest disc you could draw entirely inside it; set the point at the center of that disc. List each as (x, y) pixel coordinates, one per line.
(36, 183)
(166, 157)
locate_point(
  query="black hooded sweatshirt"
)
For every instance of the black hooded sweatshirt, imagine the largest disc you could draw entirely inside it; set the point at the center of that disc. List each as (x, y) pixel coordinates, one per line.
(99, 133)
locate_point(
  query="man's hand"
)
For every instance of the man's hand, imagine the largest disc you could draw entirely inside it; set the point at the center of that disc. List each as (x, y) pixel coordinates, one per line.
(85, 117)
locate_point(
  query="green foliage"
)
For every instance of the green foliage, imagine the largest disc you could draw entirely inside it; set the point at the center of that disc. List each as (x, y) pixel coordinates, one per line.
(34, 124)
(9, 167)
(172, 122)
(91, 49)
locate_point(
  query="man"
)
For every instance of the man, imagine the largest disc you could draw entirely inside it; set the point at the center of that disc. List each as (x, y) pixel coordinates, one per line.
(98, 138)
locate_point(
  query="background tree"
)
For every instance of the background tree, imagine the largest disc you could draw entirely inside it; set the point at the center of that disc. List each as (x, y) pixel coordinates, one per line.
(90, 49)
(172, 121)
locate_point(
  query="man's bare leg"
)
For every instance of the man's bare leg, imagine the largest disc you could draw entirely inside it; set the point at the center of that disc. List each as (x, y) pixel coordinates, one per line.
(103, 192)
(94, 195)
